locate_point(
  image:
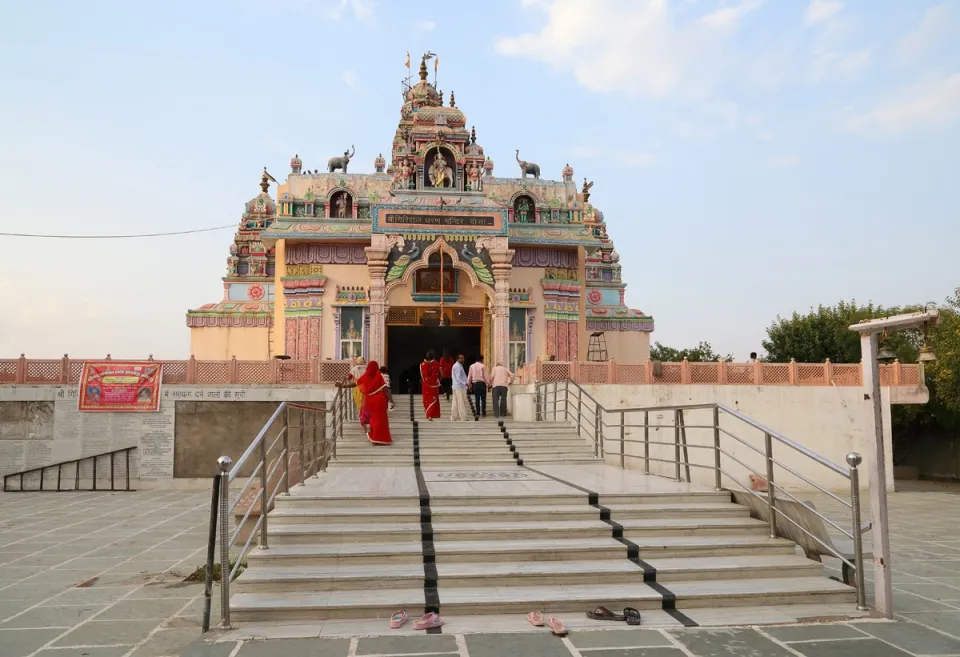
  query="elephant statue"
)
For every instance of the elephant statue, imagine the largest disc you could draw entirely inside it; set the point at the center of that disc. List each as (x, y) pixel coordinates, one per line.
(531, 168)
(335, 163)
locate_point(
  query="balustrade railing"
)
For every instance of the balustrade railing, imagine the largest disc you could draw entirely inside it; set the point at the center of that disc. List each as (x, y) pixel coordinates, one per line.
(299, 372)
(717, 373)
(273, 463)
(732, 448)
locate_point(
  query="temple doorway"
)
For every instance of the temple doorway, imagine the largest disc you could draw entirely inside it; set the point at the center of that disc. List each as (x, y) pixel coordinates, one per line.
(407, 345)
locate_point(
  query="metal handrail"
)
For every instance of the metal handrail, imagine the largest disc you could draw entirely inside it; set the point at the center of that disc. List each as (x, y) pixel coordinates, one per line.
(270, 478)
(76, 474)
(586, 411)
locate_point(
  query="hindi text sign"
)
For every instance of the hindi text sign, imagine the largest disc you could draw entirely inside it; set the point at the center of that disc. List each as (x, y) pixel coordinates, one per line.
(120, 386)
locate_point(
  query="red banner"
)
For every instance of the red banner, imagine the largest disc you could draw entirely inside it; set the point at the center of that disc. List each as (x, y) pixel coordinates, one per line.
(120, 386)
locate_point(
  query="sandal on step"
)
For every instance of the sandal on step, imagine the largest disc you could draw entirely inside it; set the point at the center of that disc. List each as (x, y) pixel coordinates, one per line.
(556, 626)
(398, 620)
(428, 621)
(536, 619)
(602, 613)
(632, 616)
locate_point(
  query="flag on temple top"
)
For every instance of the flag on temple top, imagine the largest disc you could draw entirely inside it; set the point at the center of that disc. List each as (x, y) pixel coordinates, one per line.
(436, 64)
(408, 60)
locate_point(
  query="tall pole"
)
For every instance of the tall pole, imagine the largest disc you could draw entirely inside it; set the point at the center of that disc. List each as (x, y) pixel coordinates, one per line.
(877, 469)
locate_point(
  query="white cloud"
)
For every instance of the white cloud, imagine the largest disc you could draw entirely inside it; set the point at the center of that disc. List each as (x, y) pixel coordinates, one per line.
(633, 47)
(587, 151)
(853, 63)
(349, 78)
(362, 9)
(821, 10)
(638, 159)
(830, 64)
(626, 158)
(933, 27)
(783, 161)
(766, 135)
(931, 102)
(426, 26)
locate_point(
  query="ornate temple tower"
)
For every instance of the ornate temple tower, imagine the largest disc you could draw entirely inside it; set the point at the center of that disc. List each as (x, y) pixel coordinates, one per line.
(374, 264)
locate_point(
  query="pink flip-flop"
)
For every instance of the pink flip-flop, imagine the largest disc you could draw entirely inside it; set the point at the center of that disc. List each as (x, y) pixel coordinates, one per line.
(398, 620)
(536, 619)
(428, 621)
(556, 626)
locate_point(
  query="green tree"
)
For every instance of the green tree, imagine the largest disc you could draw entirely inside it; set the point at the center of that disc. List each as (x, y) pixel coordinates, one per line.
(702, 353)
(825, 333)
(944, 374)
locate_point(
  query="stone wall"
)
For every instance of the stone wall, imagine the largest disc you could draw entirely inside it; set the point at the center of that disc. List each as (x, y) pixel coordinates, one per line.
(40, 425)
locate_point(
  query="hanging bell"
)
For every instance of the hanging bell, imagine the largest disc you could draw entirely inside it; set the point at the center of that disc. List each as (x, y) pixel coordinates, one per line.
(886, 354)
(926, 354)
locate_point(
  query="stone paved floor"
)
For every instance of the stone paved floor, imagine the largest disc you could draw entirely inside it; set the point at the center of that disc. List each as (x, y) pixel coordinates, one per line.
(99, 575)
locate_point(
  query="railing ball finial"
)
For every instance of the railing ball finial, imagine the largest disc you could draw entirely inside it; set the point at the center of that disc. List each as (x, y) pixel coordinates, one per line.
(224, 463)
(854, 459)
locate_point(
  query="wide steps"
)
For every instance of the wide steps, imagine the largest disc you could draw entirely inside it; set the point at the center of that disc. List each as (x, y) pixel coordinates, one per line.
(280, 579)
(562, 598)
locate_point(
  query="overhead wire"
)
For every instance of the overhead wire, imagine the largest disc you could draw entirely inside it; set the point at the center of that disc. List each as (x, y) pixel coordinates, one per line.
(117, 237)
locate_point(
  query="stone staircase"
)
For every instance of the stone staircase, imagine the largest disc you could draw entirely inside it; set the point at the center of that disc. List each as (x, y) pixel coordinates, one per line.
(494, 522)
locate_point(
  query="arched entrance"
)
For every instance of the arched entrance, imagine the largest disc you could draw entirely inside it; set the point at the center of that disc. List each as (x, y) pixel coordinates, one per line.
(412, 323)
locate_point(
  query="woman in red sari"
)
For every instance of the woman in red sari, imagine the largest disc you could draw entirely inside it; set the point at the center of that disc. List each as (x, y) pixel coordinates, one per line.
(376, 401)
(430, 386)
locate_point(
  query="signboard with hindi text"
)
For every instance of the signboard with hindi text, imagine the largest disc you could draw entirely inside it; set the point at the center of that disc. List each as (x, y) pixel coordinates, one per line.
(120, 386)
(451, 218)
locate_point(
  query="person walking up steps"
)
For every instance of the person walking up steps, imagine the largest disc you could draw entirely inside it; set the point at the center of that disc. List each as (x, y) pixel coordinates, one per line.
(460, 412)
(479, 380)
(502, 377)
(430, 386)
(446, 374)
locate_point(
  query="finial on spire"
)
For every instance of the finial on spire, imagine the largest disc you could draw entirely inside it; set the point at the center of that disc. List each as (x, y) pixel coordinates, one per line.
(264, 181)
(453, 102)
(473, 134)
(423, 69)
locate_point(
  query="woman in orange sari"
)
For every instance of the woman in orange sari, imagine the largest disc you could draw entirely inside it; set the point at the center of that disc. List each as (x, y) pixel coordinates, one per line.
(376, 401)
(430, 386)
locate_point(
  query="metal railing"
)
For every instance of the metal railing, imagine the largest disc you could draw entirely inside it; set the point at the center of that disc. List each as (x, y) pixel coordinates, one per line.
(269, 456)
(76, 477)
(567, 401)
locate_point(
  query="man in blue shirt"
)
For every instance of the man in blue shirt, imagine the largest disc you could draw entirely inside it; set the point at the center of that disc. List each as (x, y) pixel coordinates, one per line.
(460, 412)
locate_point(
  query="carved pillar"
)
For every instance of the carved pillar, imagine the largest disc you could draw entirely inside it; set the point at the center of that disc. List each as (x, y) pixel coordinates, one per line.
(377, 254)
(502, 259)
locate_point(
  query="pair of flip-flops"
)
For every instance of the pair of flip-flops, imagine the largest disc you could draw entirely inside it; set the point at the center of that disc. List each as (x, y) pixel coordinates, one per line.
(630, 615)
(555, 624)
(429, 620)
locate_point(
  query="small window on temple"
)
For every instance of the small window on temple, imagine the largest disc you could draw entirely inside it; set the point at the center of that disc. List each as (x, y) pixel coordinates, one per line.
(518, 338)
(351, 333)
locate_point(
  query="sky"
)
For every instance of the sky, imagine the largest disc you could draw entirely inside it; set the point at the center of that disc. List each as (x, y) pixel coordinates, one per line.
(752, 157)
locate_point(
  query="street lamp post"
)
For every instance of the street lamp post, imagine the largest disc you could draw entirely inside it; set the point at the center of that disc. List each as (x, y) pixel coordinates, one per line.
(870, 331)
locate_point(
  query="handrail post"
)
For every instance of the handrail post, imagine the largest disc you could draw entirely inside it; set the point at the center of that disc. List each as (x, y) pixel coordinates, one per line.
(285, 429)
(579, 408)
(303, 450)
(536, 400)
(211, 555)
(718, 481)
(556, 393)
(224, 463)
(771, 495)
(622, 429)
(313, 449)
(264, 485)
(646, 442)
(676, 443)
(598, 432)
(854, 460)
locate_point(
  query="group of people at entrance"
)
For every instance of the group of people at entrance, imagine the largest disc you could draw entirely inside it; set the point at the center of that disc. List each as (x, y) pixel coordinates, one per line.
(448, 377)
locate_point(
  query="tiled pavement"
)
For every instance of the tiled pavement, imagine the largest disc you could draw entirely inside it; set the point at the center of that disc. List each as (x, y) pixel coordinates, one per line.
(99, 575)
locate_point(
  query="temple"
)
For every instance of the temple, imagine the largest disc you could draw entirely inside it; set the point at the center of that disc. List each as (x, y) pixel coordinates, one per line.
(429, 251)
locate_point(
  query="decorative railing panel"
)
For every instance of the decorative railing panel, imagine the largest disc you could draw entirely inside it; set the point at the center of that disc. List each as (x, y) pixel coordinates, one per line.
(300, 372)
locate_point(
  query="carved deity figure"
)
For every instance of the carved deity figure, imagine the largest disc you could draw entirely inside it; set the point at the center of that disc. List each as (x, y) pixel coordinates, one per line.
(475, 173)
(515, 334)
(523, 208)
(352, 332)
(438, 172)
(342, 206)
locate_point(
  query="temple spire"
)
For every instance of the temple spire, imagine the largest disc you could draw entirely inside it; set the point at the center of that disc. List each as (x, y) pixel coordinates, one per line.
(423, 69)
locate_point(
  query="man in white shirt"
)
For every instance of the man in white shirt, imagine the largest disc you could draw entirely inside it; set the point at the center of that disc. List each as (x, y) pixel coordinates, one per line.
(460, 412)
(479, 380)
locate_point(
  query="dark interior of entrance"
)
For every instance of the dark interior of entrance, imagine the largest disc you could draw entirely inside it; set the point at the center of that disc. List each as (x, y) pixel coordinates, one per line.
(407, 346)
